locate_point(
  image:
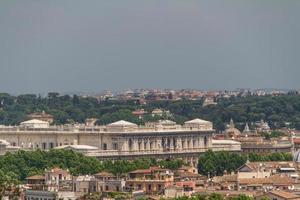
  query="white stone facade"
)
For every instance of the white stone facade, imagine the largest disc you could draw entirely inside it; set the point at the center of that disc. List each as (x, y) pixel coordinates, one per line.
(119, 139)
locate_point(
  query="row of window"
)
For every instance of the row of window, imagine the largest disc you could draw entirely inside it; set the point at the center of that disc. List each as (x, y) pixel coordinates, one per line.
(165, 143)
(44, 145)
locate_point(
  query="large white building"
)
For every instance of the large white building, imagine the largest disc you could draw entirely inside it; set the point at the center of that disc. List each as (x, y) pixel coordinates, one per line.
(120, 139)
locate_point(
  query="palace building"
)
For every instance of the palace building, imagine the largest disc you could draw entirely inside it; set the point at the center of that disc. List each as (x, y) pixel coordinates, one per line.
(120, 139)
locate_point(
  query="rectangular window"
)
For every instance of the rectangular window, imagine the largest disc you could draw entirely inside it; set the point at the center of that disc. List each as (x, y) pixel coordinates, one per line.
(115, 146)
(159, 187)
(104, 146)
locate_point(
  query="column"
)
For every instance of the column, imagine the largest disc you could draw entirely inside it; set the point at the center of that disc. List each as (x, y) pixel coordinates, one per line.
(135, 144)
(158, 144)
(191, 142)
(142, 145)
(186, 144)
(148, 144)
(179, 143)
(125, 145)
(201, 142)
(197, 142)
(171, 143)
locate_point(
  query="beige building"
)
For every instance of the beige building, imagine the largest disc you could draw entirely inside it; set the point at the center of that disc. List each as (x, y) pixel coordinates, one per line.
(121, 139)
(266, 169)
(35, 123)
(173, 191)
(85, 184)
(57, 179)
(41, 116)
(165, 138)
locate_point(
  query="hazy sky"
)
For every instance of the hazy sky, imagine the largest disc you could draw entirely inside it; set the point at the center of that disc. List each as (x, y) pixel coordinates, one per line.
(93, 45)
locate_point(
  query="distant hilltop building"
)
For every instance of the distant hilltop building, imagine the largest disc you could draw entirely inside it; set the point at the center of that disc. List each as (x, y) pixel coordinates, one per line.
(209, 101)
(41, 116)
(160, 113)
(139, 113)
(90, 121)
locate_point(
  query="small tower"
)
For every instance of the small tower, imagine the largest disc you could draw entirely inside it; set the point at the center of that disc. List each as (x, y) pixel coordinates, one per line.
(246, 129)
(231, 125)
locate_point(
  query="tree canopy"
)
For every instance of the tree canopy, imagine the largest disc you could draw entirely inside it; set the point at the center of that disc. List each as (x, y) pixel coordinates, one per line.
(278, 111)
(27, 163)
(216, 163)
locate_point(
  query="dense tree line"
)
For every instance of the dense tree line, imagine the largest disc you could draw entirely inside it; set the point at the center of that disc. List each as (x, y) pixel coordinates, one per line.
(216, 163)
(67, 109)
(253, 157)
(26, 163)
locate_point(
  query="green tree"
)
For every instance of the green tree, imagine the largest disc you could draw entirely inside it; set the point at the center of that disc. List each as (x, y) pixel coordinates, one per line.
(9, 185)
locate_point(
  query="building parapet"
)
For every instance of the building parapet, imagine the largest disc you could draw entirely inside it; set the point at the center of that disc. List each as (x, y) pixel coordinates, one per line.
(16, 129)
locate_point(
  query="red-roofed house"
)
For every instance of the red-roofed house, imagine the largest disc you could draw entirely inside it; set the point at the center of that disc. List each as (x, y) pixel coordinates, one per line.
(152, 181)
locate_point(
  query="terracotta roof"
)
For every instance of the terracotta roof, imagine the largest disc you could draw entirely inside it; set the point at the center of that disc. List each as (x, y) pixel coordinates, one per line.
(174, 187)
(284, 180)
(57, 170)
(285, 195)
(151, 169)
(230, 178)
(274, 180)
(105, 174)
(35, 177)
(270, 165)
(296, 140)
(42, 114)
(188, 175)
(225, 178)
(141, 171)
(254, 181)
(186, 168)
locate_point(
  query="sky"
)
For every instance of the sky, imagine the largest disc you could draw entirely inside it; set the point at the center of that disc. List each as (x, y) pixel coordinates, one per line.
(96, 45)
